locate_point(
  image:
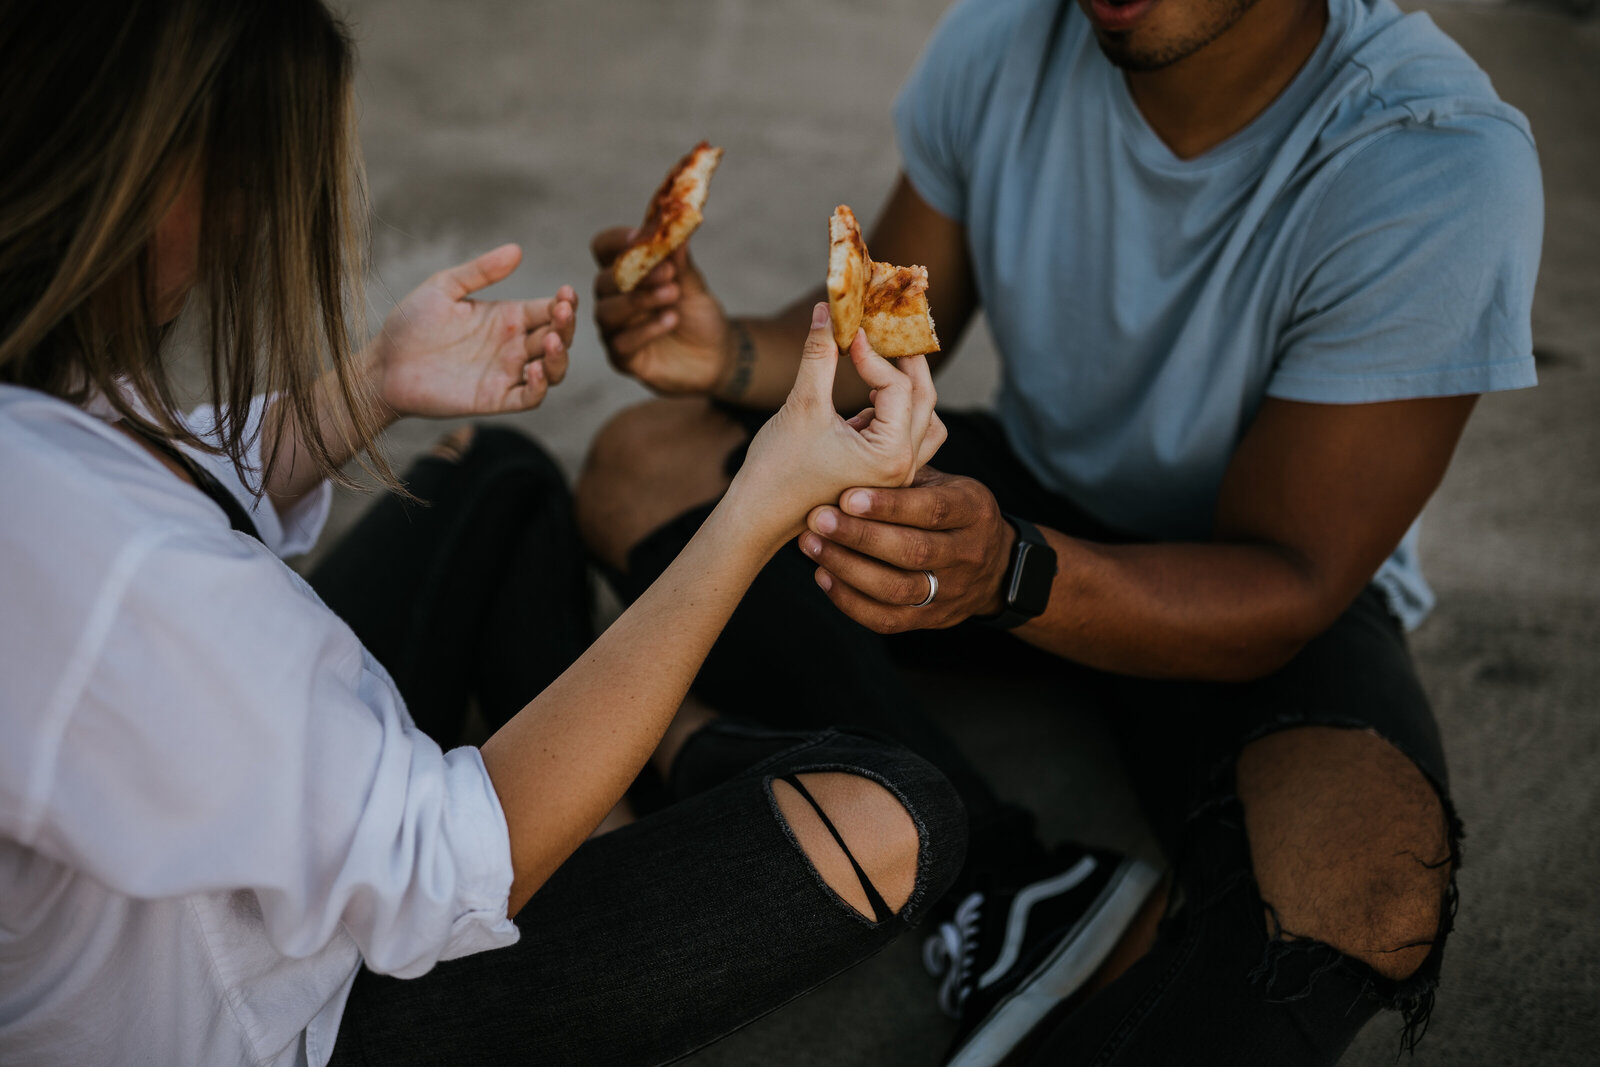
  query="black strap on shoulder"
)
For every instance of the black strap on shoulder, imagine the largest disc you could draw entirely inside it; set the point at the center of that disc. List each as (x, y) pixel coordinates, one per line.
(206, 482)
(880, 910)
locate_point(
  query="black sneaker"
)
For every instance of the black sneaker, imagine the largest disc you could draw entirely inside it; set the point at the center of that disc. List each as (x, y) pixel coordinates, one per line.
(1009, 956)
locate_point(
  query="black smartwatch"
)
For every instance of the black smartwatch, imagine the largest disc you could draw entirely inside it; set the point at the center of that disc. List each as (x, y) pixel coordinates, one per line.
(1025, 588)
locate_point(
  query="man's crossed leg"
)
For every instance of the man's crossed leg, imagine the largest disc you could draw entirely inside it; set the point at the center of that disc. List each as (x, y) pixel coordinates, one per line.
(1313, 853)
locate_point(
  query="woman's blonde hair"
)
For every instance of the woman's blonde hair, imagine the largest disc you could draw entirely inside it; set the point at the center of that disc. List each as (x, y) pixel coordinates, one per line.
(107, 111)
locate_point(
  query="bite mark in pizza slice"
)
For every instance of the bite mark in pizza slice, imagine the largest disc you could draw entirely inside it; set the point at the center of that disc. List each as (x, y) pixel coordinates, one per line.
(849, 270)
(896, 316)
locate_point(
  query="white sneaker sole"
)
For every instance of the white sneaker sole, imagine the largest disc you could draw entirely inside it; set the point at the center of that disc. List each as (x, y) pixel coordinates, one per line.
(1059, 976)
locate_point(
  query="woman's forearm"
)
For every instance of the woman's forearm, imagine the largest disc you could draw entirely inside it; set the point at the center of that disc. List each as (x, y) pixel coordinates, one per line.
(292, 470)
(566, 759)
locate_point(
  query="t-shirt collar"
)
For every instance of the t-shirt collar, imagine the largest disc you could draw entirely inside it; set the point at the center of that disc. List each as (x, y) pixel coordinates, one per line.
(1275, 120)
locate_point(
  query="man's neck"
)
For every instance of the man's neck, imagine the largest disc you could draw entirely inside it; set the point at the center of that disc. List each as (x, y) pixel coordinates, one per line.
(1200, 101)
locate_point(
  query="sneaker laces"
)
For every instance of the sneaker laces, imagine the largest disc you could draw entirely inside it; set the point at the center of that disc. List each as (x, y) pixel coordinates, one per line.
(949, 953)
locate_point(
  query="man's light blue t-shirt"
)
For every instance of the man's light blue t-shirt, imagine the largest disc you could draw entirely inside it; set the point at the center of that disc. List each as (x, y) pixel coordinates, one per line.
(1373, 235)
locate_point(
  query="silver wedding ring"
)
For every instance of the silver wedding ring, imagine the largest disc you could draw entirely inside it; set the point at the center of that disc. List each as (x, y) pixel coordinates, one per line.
(933, 590)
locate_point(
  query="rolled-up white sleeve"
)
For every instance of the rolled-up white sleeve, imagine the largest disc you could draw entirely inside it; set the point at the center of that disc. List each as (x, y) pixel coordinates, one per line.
(291, 533)
(229, 732)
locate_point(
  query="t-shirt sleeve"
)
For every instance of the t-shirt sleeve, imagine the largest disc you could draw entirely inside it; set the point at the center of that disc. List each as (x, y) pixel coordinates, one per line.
(226, 732)
(1417, 269)
(290, 533)
(938, 111)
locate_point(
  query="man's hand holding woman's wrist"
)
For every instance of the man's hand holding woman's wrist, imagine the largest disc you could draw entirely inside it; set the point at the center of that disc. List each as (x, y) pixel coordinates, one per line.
(873, 548)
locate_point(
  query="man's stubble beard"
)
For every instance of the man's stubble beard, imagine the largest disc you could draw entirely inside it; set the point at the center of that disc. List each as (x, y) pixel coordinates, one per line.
(1120, 50)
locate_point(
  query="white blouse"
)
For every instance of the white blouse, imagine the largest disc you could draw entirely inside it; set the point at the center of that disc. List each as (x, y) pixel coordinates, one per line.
(213, 805)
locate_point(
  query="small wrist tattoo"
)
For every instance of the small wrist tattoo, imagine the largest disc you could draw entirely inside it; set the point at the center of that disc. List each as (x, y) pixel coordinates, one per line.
(744, 362)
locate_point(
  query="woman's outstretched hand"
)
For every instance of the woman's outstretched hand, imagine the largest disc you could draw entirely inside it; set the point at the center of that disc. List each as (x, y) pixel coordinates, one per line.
(808, 455)
(442, 353)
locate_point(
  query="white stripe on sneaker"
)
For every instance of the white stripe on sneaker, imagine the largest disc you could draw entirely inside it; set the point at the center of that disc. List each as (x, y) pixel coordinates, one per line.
(1017, 922)
(1080, 952)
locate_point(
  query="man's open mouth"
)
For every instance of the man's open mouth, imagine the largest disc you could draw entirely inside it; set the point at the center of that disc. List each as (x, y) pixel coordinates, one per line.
(1118, 14)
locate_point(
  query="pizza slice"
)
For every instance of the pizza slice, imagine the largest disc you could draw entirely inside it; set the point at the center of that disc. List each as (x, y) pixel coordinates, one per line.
(674, 214)
(890, 303)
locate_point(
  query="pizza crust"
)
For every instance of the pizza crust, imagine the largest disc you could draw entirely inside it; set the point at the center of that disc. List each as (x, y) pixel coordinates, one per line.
(890, 303)
(849, 270)
(674, 214)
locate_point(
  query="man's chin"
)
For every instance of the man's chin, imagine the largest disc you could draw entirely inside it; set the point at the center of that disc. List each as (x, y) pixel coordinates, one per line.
(1144, 45)
(1124, 54)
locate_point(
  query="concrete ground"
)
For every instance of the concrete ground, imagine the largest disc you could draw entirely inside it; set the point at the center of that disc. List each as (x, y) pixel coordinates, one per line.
(491, 120)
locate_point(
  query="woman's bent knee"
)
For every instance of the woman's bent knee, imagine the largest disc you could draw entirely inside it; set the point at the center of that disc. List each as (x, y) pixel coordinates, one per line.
(876, 829)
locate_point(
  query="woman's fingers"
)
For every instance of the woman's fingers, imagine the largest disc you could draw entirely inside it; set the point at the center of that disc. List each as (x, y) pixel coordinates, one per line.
(547, 343)
(564, 316)
(923, 397)
(813, 385)
(531, 391)
(480, 273)
(861, 421)
(902, 397)
(877, 372)
(891, 390)
(546, 346)
(916, 368)
(559, 313)
(931, 442)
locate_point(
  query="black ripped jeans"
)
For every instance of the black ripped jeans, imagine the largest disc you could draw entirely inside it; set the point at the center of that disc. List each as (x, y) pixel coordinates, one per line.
(650, 941)
(1215, 988)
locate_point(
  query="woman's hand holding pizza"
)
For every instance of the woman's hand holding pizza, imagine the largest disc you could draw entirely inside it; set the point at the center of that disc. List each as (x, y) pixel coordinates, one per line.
(807, 453)
(873, 549)
(442, 353)
(669, 331)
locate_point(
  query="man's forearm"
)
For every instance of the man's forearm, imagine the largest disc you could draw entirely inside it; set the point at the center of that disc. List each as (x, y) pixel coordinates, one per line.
(765, 355)
(1222, 612)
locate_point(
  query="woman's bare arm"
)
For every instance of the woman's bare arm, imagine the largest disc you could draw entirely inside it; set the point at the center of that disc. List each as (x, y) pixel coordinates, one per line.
(564, 761)
(441, 353)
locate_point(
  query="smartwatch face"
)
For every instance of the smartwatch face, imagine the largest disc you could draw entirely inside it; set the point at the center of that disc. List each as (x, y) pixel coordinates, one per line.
(1030, 585)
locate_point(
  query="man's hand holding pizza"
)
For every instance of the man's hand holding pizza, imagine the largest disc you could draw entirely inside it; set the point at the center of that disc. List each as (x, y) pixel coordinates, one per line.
(875, 551)
(668, 331)
(658, 319)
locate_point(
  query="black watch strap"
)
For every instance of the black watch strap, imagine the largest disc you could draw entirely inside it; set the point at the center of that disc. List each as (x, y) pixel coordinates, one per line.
(1025, 589)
